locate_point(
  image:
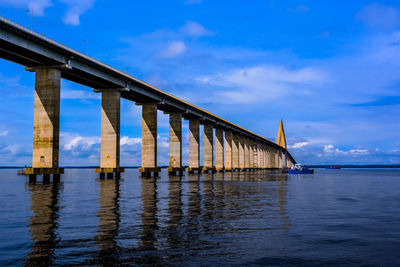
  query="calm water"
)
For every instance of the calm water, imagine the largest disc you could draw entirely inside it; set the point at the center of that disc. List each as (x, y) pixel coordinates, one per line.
(334, 217)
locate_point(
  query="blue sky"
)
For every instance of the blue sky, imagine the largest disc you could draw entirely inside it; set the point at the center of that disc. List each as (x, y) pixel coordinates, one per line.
(329, 69)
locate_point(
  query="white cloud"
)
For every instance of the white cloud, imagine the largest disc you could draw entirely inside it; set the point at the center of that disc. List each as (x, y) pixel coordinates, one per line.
(298, 145)
(71, 17)
(13, 149)
(75, 10)
(162, 141)
(330, 149)
(37, 7)
(174, 49)
(260, 83)
(378, 15)
(71, 141)
(3, 133)
(194, 29)
(127, 141)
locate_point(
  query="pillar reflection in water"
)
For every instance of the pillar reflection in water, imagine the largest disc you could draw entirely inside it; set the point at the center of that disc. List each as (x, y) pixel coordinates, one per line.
(208, 203)
(43, 223)
(109, 219)
(149, 213)
(194, 208)
(175, 212)
(219, 193)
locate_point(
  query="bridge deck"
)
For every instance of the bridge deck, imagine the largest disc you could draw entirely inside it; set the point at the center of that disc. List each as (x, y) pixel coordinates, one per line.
(31, 49)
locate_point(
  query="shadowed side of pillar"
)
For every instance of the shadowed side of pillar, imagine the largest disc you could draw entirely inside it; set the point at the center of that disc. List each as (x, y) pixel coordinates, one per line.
(208, 148)
(228, 151)
(241, 152)
(251, 154)
(219, 149)
(235, 152)
(246, 154)
(194, 146)
(255, 156)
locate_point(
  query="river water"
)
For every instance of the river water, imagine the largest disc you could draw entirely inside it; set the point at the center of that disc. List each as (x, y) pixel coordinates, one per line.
(333, 217)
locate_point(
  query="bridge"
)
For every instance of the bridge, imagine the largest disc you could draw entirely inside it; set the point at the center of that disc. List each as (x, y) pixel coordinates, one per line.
(234, 149)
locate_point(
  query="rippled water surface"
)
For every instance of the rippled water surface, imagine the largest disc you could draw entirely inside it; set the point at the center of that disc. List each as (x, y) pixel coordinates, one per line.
(334, 217)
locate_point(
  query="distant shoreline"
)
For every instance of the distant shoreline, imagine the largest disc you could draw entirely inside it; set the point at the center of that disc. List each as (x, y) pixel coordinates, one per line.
(370, 166)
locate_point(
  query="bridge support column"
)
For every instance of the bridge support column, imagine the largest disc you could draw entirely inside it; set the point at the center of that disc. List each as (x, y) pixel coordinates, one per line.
(272, 158)
(280, 159)
(267, 158)
(194, 146)
(255, 156)
(46, 124)
(235, 152)
(149, 140)
(246, 154)
(277, 158)
(251, 155)
(219, 149)
(241, 153)
(261, 149)
(175, 144)
(110, 133)
(228, 151)
(264, 157)
(208, 148)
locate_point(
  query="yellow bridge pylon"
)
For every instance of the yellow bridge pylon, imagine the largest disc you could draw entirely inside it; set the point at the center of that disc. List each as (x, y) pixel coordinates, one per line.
(281, 139)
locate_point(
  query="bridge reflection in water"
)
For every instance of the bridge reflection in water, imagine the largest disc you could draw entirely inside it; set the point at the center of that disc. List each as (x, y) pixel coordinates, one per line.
(43, 223)
(109, 220)
(178, 217)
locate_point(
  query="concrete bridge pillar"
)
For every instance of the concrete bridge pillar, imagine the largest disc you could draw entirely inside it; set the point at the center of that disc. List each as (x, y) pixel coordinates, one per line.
(279, 158)
(276, 158)
(255, 156)
(272, 158)
(110, 133)
(268, 157)
(194, 146)
(219, 149)
(246, 154)
(251, 154)
(46, 125)
(208, 148)
(235, 152)
(241, 153)
(175, 143)
(228, 150)
(149, 140)
(263, 156)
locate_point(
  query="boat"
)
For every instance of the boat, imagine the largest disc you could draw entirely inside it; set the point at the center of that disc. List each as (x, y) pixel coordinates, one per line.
(334, 167)
(300, 169)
